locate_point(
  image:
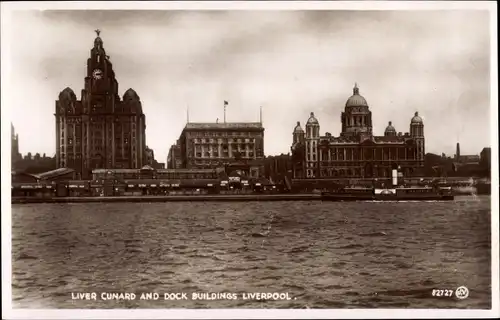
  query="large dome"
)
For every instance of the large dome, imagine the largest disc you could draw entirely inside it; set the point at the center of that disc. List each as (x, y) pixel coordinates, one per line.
(356, 100)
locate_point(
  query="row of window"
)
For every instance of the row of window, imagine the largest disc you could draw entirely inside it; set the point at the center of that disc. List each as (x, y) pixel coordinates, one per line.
(233, 146)
(224, 140)
(224, 134)
(357, 120)
(166, 176)
(117, 126)
(225, 154)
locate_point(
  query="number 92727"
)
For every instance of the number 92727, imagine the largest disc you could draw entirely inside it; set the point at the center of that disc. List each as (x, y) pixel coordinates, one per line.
(442, 293)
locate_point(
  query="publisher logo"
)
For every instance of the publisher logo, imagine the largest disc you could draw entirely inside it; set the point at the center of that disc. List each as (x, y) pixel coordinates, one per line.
(462, 292)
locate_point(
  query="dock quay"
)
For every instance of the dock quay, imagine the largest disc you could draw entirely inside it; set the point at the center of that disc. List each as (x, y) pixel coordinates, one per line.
(175, 198)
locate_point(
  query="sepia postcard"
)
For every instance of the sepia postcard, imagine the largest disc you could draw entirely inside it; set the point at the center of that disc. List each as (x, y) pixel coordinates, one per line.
(249, 159)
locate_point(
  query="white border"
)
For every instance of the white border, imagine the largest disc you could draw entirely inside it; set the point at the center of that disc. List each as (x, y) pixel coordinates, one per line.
(9, 313)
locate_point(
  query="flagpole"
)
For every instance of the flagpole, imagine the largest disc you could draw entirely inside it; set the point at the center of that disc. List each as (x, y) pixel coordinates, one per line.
(260, 115)
(225, 105)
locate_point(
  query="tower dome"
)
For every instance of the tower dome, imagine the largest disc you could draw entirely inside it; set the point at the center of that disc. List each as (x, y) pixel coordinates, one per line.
(356, 100)
(416, 119)
(298, 128)
(312, 119)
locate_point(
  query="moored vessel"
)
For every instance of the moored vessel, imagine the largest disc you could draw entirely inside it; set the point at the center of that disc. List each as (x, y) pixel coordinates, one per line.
(397, 192)
(393, 194)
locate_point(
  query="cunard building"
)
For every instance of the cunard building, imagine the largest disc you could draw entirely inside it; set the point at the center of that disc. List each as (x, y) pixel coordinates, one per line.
(101, 130)
(356, 152)
(237, 146)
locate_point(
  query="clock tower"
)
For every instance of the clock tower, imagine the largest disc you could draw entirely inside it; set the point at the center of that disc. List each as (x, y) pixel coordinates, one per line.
(101, 87)
(100, 130)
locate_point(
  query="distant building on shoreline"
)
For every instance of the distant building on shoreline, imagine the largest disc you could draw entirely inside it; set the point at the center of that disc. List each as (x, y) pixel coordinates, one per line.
(466, 159)
(485, 158)
(356, 153)
(151, 161)
(100, 130)
(14, 146)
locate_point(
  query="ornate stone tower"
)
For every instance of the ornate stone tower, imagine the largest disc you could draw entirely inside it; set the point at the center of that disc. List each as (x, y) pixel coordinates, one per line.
(312, 142)
(356, 118)
(417, 132)
(100, 130)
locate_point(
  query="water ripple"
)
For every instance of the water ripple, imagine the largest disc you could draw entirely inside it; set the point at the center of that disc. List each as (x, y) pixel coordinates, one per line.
(325, 255)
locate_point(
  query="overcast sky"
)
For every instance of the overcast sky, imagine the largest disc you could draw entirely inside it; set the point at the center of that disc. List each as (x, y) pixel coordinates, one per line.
(290, 63)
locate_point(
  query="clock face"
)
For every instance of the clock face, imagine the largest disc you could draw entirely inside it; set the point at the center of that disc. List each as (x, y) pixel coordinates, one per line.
(97, 74)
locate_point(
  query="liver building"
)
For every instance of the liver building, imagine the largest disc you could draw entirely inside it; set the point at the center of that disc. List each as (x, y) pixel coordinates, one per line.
(100, 130)
(356, 152)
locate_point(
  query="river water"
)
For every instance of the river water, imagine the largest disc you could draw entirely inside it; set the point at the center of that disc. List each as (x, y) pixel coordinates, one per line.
(325, 255)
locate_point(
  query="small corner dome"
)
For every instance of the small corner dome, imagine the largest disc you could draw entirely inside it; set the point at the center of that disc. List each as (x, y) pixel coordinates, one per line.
(130, 95)
(298, 128)
(390, 127)
(356, 100)
(67, 94)
(312, 119)
(416, 119)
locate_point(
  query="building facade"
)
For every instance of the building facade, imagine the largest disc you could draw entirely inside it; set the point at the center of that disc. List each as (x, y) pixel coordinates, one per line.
(100, 130)
(212, 145)
(356, 152)
(174, 158)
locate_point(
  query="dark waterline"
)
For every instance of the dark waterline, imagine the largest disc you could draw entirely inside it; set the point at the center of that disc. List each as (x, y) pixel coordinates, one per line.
(326, 255)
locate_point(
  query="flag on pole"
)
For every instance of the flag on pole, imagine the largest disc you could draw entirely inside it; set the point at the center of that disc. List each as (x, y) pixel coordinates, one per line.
(225, 105)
